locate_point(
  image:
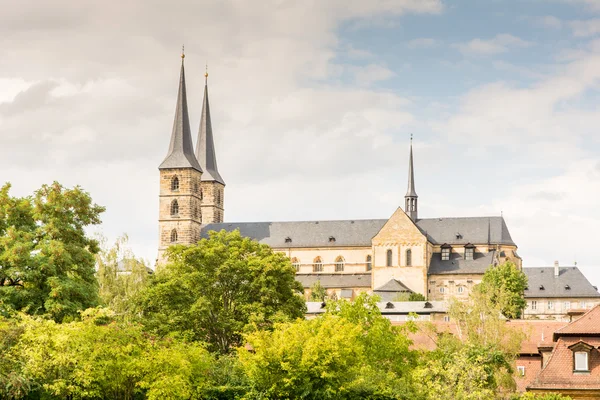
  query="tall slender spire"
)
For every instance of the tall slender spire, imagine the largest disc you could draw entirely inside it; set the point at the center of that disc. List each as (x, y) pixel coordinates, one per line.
(205, 146)
(181, 149)
(411, 197)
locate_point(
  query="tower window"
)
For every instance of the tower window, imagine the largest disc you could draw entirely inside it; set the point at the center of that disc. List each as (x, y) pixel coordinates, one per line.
(174, 236)
(195, 187)
(408, 257)
(388, 258)
(218, 197)
(296, 264)
(369, 263)
(174, 208)
(339, 264)
(201, 194)
(318, 265)
(175, 184)
(445, 253)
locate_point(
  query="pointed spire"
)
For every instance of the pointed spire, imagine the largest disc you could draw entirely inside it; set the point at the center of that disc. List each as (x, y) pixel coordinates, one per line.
(411, 197)
(181, 149)
(205, 146)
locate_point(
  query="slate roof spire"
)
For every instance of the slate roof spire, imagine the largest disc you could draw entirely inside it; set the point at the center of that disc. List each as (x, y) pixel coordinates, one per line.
(205, 146)
(181, 149)
(411, 195)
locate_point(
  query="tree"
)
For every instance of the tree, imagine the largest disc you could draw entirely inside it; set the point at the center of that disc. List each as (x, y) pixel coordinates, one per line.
(120, 276)
(46, 258)
(214, 290)
(505, 285)
(317, 292)
(416, 297)
(350, 352)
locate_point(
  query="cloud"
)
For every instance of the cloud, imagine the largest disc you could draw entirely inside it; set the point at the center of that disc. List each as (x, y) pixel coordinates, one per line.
(422, 43)
(499, 44)
(584, 28)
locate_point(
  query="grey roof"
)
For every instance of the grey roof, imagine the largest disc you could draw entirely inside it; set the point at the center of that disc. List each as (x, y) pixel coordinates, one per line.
(477, 230)
(205, 147)
(458, 265)
(411, 192)
(335, 280)
(397, 307)
(181, 149)
(393, 285)
(555, 286)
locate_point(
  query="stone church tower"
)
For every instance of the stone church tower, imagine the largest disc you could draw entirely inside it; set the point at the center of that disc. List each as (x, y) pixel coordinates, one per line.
(180, 199)
(212, 187)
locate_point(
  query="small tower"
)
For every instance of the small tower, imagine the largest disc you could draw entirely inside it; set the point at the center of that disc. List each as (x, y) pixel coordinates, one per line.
(179, 217)
(212, 188)
(411, 198)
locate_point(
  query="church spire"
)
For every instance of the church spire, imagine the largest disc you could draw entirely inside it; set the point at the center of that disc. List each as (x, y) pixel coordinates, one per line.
(411, 197)
(181, 149)
(205, 146)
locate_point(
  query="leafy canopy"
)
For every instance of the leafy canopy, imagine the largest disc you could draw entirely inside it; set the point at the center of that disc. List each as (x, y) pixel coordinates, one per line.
(505, 286)
(46, 258)
(214, 290)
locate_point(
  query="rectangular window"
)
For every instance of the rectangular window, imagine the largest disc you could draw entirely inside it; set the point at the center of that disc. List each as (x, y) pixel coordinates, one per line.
(550, 305)
(581, 361)
(469, 252)
(521, 370)
(582, 306)
(446, 318)
(445, 253)
(534, 305)
(567, 305)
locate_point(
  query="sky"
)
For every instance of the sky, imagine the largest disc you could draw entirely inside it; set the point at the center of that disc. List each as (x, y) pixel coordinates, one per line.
(313, 104)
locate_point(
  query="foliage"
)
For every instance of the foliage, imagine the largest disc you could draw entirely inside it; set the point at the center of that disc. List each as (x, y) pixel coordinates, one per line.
(46, 259)
(317, 292)
(505, 285)
(120, 276)
(545, 396)
(12, 382)
(214, 290)
(349, 352)
(416, 297)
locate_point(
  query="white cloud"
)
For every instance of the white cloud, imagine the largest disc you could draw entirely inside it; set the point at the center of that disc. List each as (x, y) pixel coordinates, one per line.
(584, 28)
(499, 44)
(422, 43)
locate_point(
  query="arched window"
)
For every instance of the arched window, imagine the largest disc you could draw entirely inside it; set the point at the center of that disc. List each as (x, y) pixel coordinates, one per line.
(369, 263)
(173, 235)
(318, 265)
(408, 257)
(175, 183)
(174, 208)
(339, 264)
(296, 264)
(389, 258)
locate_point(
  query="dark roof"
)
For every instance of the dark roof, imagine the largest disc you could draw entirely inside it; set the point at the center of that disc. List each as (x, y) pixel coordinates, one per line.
(391, 289)
(397, 307)
(411, 192)
(205, 147)
(181, 150)
(335, 280)
(477, 230)
(554, 286)
(458, 265)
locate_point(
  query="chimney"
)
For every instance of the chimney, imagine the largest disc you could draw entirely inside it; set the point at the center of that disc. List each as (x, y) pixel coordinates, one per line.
(555, 268)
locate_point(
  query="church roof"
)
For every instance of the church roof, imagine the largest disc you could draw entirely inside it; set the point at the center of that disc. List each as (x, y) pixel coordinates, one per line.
(181, 150)
(411, 192)
(205, 147)
(335, 280)
(458, 265)
(345, 233)
(569, 283)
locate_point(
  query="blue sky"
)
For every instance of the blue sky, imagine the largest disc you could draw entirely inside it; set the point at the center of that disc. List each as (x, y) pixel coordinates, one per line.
(313, 105)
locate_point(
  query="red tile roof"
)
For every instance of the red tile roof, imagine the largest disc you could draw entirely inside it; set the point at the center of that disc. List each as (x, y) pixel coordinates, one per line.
(587, 325)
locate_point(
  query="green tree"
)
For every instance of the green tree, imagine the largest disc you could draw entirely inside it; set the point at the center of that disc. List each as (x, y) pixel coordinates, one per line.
(505, 285)
(120, 275)
(545, 396)
(416, 297)
(349, 352)
(317, 292)
(46, 258)
(213, 290)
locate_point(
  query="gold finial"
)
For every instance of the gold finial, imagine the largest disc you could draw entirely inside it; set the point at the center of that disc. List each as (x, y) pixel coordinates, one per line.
(206, 73)
(182, 51)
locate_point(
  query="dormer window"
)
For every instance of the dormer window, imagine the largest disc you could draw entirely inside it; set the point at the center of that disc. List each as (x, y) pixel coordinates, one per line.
(542, 287)
(331, 239)
(389, 305)
(469, 252)
(581, 356)
(567, 287)
(446, 252)
(288, 239)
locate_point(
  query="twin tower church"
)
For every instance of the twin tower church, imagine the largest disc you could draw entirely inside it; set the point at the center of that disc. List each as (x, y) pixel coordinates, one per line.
(437, 257)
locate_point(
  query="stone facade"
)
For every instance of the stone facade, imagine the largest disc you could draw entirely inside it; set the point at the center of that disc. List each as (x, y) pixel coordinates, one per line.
(213, 200)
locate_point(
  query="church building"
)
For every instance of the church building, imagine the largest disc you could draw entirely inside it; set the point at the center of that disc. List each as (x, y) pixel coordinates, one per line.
(393, 257)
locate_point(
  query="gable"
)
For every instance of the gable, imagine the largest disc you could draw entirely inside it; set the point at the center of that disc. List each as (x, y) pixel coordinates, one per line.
(399, 229)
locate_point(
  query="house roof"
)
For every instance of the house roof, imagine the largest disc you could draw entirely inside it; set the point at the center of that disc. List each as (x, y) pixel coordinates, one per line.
(453, 231)
(587, 325)
(458, 265)
(335, 281)
(392, 308)
(556, 286)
